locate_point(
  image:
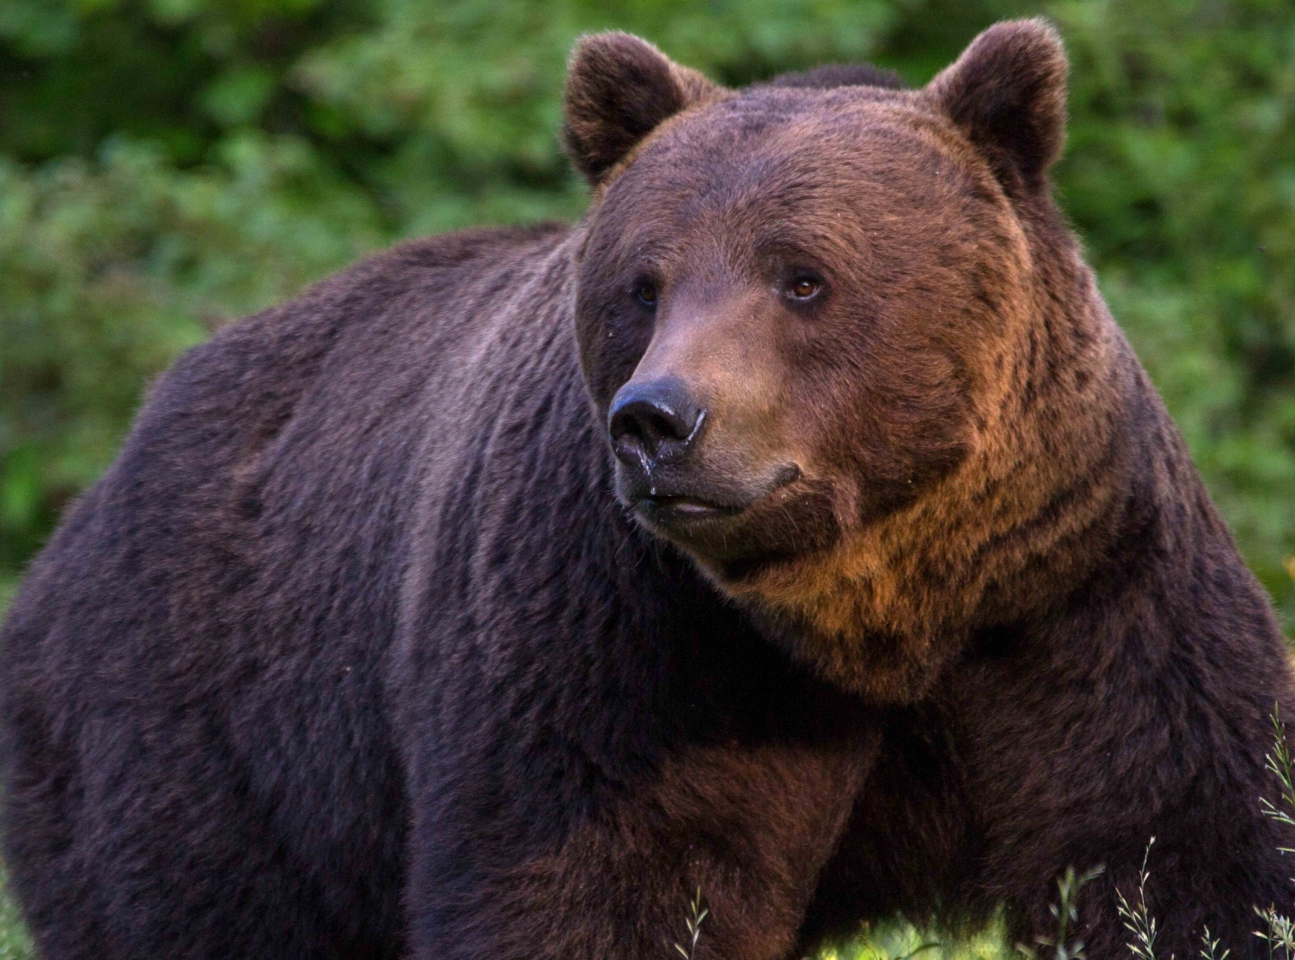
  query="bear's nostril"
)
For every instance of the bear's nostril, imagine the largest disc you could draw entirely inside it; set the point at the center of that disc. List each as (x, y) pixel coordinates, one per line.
(653, 421)
(652, 428)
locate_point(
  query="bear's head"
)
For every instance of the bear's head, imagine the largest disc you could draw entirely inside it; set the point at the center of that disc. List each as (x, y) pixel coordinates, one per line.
(847, 353)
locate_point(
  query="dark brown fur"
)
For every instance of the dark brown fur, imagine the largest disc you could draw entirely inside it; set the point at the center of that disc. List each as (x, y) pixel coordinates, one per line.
(378, 640)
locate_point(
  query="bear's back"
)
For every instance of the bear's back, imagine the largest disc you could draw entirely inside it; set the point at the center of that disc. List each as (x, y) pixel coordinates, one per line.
(244, 552)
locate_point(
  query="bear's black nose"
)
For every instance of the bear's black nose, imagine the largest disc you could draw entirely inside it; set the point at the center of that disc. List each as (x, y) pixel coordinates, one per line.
(653, 421)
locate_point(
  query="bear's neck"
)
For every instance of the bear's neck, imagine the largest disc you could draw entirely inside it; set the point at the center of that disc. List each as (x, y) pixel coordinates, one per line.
(1165, 567)
(1124, 528)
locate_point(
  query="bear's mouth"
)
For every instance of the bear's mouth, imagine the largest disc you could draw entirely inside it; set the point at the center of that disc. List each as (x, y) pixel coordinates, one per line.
(676, 510)
(735, 532)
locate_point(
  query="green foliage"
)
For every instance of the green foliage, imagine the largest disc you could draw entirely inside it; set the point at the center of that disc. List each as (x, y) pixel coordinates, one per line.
(15, 944)
(900, 941)
(1181, 177)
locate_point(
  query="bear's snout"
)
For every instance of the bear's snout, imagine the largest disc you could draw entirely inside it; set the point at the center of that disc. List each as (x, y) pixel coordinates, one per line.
(654, 422)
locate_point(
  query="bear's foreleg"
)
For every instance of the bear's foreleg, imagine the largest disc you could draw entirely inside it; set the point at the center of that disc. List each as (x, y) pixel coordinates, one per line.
(610, 871)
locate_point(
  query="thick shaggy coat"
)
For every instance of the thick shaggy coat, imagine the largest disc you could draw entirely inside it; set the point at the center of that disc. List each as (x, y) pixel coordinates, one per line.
(798, 527)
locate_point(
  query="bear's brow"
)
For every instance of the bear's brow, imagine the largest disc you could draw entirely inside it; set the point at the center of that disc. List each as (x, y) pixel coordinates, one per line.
(807, 247)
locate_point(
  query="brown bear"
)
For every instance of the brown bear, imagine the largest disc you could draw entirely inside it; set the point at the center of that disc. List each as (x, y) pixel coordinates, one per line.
(797, 528)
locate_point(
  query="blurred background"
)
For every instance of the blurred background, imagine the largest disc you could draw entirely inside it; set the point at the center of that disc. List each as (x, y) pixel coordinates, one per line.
(169, 165)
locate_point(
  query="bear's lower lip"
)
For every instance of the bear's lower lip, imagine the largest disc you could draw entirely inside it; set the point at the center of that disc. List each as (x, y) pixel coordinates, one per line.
(684, 509)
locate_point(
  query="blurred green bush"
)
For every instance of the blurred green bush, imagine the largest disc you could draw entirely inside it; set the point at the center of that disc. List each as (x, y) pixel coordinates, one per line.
(167, 165)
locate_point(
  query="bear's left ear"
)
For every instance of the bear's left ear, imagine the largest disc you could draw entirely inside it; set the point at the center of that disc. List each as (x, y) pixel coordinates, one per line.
(1007, 93)
(619, 88)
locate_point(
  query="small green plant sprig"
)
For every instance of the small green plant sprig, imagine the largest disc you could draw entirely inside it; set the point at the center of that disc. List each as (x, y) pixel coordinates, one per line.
(1278, 933)
(1137, 918)
(1066, 912)
(1278, 930)
(1281, 765)
(1210, 947)
(699, 914)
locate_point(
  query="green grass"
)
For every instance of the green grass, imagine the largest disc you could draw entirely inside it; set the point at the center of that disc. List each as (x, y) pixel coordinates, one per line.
(900, 942)
(891, 942)
(14, 942)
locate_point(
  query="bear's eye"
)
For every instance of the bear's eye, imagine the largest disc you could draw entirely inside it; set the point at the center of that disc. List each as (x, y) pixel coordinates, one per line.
(645, 293)
(803, 288)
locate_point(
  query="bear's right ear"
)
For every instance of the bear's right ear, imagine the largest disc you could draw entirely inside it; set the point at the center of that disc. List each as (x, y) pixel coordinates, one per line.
(618, 89)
